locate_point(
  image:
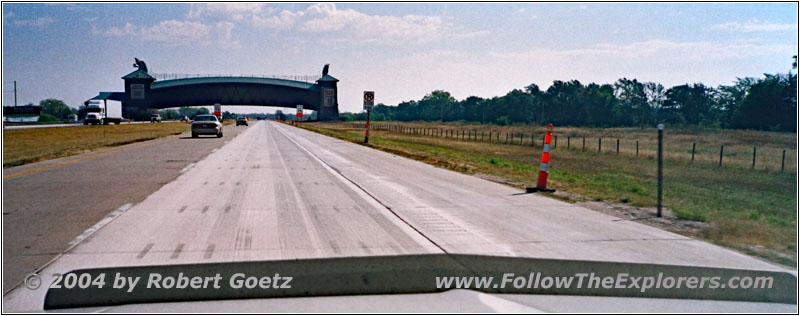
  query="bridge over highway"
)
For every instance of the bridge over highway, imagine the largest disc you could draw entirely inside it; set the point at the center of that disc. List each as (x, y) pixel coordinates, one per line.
(143, 91)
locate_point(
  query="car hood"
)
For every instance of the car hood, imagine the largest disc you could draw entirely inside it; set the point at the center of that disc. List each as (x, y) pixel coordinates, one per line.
(401, 276)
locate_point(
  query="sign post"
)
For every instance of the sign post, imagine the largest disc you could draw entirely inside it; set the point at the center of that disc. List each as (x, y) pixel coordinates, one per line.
(299, 112)
(369, 101)
(660, 166)
(218, 111)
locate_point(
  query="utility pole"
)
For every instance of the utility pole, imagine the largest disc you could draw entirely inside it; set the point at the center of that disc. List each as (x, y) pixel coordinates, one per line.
(15, 93)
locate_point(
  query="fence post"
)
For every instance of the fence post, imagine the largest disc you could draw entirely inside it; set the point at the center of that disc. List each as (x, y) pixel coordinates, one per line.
(521, 136)
(721, 148)
(660, 165)
(617, 146)
(599, 144)
(584, 144)
(637, 148)
(693, 146)
(754, 158)
(783, 159)
(555, 141)
(568, 137)
(533, 141)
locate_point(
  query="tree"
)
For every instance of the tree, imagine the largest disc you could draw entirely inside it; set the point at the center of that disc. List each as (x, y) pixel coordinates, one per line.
(770, 104)
(56, 108)
(632, 101)
(689, 104)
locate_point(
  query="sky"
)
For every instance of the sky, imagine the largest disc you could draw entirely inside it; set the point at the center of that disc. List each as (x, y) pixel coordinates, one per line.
(402, 51)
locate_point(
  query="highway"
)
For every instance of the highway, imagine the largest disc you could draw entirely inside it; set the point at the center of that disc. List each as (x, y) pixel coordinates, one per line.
(273, 191)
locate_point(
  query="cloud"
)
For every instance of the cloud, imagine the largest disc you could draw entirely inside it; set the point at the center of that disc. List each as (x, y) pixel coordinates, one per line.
(175, 32)
(37, 22)
(236, 11)
(652, 48)
(338, 25)
(72, 7)
(754, 26)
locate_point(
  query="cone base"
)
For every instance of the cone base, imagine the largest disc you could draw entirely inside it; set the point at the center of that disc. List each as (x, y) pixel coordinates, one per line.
(535, 189)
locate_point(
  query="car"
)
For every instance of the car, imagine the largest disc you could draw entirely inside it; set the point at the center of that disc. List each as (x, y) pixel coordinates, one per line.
(155, 118)
(206, 125)
(241, 121)
(185, 119)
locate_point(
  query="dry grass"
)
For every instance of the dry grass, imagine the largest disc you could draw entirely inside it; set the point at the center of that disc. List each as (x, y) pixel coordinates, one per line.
(738, 144)
(21, 146)
(750, 210)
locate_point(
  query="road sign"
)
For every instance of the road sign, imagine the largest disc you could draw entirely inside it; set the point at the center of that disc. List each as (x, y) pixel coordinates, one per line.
(369, 99)
(299, 110)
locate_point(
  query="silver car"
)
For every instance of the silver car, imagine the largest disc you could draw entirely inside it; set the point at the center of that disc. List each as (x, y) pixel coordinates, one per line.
(206, 125)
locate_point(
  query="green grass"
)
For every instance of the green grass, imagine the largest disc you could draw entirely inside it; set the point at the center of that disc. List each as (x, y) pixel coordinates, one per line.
(21, 146)
(752, 210)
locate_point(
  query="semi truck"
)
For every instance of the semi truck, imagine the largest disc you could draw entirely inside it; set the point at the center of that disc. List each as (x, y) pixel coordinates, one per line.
(103, 112)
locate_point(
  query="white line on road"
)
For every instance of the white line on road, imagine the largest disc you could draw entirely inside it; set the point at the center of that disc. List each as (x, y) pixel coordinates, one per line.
(110, 217)
(189, 166)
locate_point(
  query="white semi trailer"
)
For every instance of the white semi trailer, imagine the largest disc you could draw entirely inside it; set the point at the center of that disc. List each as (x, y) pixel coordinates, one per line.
(103, 112)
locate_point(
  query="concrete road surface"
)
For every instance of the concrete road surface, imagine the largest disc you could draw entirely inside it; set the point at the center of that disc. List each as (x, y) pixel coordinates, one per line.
(279, 192)
(46, 205)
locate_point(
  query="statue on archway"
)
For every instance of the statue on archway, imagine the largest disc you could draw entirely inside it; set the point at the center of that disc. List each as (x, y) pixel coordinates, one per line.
(140, 64)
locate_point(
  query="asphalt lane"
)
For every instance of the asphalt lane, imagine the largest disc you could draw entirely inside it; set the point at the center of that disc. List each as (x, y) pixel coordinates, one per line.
(279, 192)
(46, 205)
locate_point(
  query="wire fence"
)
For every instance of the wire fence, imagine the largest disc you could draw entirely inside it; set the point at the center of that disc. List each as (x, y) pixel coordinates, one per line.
(770, 157)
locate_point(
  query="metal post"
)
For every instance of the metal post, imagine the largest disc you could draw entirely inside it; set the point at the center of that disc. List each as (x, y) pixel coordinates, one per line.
(693, 146)
(783, 160)
(721, 148)
(599, 144)
(555, 141)
(617, 146)
(754, 158)
(568, 137)
(15, 93)
(637, 148)
(366, 134)
(584, 144)
(660, 166)
(533, 142)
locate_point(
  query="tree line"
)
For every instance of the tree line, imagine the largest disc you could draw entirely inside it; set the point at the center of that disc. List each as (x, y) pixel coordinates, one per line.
(768, 103)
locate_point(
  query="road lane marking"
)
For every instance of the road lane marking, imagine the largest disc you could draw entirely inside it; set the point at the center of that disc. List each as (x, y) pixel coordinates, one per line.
(69, 162)
(340, 174)
(91, 230)
(189, 166)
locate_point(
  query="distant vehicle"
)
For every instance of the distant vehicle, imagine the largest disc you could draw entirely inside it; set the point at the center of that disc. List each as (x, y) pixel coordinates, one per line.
(241, 121)
(72, 118)
(103, 112)
(155, 118)
(185, 119)
(206, 125)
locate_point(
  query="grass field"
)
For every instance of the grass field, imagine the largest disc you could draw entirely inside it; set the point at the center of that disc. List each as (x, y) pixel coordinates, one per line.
(21, 146)
(751, 210)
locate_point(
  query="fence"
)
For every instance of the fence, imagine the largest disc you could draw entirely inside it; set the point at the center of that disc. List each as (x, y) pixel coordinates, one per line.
(729, 155)
(167, 76)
